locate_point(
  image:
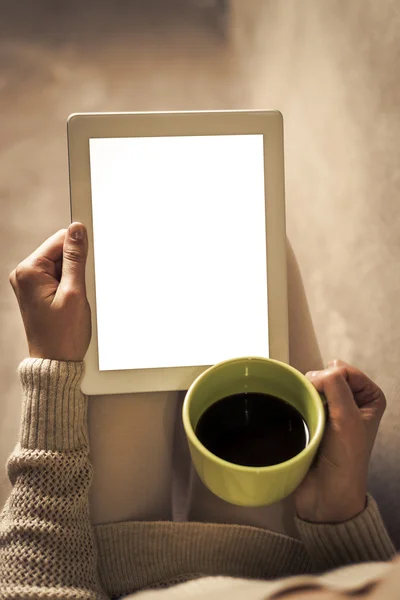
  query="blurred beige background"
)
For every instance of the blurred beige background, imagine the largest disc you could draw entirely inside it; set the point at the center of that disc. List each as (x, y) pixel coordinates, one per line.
(330, 67)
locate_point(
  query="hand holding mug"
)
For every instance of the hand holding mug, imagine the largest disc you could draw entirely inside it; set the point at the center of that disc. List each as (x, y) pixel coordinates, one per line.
(329, 476)
(334, 490)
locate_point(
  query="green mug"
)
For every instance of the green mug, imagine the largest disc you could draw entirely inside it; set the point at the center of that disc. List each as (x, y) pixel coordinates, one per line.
(242, 485)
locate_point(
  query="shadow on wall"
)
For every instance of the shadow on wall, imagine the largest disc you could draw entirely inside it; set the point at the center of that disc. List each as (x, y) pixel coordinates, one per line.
(72, 21)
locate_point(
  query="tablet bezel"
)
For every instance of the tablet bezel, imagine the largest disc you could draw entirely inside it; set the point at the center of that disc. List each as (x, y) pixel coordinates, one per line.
(82, 127)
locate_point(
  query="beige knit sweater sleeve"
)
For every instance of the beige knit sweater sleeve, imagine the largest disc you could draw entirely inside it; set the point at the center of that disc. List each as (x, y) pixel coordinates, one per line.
(362, 539)
(47, 546)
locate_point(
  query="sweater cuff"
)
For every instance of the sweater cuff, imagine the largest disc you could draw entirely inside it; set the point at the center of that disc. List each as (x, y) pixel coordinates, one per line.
(361, 539)
(54, 410)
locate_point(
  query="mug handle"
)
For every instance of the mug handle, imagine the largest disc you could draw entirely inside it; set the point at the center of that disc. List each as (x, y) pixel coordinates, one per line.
(326, 409)
(324, 404)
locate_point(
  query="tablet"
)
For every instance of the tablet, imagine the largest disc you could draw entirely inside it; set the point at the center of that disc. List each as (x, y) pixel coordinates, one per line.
(185, 216)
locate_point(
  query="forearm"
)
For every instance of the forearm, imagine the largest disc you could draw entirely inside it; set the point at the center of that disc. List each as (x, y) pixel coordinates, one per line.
(361, 539)
(47, 546)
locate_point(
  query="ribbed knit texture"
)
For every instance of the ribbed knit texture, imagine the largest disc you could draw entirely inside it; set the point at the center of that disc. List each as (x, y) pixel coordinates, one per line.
(54, 413)
(48, 548)
(359, 540)
(137, 555)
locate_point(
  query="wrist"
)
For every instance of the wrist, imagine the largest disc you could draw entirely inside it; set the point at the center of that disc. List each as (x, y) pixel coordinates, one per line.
(55, 354)
(340, 512)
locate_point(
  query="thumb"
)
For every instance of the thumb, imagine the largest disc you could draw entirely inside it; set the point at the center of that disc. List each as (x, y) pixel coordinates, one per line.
(74, 258)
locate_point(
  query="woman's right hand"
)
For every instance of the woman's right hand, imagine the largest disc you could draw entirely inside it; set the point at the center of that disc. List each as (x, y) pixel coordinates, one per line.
(335, 488)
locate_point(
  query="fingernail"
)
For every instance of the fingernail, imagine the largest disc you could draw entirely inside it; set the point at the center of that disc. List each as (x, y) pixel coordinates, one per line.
(312, 374)
(77, 232)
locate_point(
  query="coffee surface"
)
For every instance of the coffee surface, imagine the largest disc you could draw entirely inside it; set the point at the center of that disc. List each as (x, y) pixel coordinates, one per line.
(253, 429)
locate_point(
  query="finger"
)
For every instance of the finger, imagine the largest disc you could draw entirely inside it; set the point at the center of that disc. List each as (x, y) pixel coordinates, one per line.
(58, 269)
(336, 362)
(52, 248)
(43, 260)
(365, 390)
(13, 282)
(74, 258)
(332, 382)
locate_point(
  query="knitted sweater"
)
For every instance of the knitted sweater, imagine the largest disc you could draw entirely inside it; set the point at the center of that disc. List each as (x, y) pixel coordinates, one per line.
(49, 549)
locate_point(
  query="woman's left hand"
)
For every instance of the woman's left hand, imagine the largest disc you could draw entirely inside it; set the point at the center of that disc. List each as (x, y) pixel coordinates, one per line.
(335, 488)
(51, 293)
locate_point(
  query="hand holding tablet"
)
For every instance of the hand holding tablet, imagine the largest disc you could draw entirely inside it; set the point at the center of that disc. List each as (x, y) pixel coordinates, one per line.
(194, 203)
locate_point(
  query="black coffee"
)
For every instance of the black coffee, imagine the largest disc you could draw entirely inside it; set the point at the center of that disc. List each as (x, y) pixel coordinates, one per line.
(252, 429)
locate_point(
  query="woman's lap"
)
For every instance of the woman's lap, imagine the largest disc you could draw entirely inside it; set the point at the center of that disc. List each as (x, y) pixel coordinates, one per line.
(141, 461)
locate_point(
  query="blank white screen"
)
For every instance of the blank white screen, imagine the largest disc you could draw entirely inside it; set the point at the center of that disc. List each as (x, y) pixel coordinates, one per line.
(180, 250)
